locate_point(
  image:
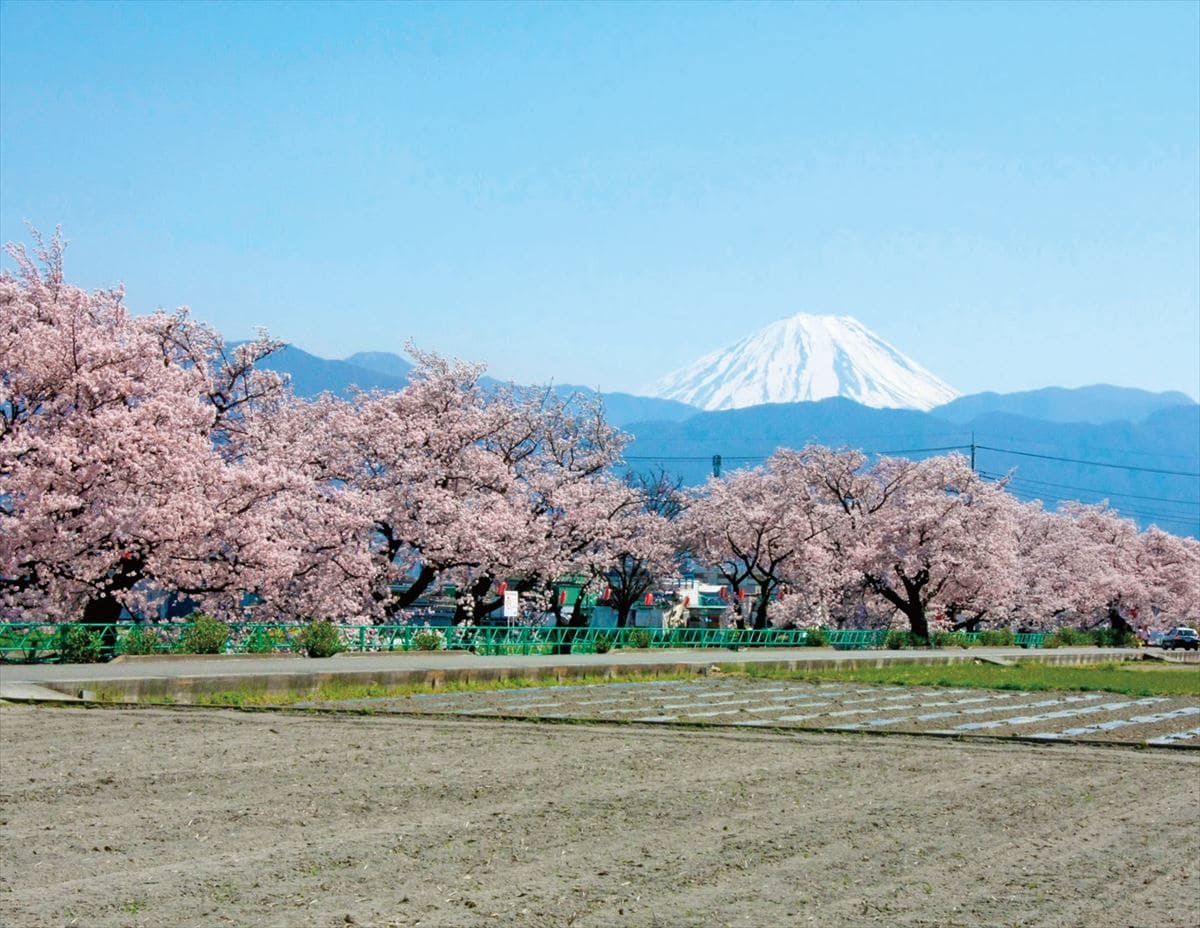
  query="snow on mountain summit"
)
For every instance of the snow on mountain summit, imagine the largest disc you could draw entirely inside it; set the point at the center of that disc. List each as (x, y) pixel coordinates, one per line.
(806, 358)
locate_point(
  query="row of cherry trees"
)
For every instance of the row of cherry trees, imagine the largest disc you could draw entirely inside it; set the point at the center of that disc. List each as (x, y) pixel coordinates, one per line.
(819, 531)
(141, 456)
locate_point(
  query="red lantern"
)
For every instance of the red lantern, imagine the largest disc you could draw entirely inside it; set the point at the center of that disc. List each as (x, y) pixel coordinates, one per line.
(649, 599)
(502, 588)
(608, 592)
(724, 594)
(741, 595)
(562, 598)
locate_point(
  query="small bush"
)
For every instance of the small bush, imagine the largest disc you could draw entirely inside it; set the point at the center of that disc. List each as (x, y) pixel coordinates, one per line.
(205, 635)
(320, 639)
(428, 639)
(79, 645)
(996, 638)
(896, 640)
(1112, 638)
(816, 638)
(951, 640)
(1073, 637)
(1054, 640)
(265, 640)
(140, 641)
(603, 644)
(638, 638)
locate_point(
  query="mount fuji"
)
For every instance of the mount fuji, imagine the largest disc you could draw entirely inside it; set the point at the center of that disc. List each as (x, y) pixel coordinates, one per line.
(806, 358)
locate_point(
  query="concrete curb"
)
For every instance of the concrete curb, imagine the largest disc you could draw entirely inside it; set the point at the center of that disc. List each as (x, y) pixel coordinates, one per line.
(180, 658)
(189, 684)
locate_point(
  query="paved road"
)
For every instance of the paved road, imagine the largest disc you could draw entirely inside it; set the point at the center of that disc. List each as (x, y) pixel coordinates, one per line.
(425, 661)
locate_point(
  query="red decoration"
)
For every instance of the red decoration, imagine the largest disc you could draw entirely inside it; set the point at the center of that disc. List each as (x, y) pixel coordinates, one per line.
(649, 599)
(502, 588)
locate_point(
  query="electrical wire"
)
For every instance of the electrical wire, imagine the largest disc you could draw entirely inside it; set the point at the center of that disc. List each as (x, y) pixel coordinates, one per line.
(1064, 486)
(1051, 457)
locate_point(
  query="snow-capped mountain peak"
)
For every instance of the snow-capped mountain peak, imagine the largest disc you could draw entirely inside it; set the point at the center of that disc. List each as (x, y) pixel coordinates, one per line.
(806, 358)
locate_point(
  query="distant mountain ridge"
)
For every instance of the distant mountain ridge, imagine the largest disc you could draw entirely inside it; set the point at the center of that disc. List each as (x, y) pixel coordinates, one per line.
(1148, 470)
(1098, 403)
(383, 370)
(802, 359)
(1125, 434)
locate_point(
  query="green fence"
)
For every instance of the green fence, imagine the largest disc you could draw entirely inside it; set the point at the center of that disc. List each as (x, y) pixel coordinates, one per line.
(42, 643)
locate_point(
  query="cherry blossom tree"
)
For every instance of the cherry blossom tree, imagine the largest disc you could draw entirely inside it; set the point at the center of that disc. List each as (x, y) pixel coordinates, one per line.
(645, 551)
(1169, 566)
(933, 537)
(770, 526)
(567, 514)
(118, 437)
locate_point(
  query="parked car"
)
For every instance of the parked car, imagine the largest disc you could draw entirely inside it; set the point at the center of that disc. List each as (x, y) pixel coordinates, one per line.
(1181, 637)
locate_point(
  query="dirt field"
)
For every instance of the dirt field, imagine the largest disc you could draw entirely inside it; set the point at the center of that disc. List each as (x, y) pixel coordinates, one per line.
(158, 817)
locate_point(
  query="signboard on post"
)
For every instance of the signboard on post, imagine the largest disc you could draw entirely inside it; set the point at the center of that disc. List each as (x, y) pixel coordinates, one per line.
(512, 604)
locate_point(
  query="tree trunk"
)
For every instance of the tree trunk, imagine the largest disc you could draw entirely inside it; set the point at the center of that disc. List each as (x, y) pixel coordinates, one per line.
(916, 620)
(760, 608)
(104, 610)
(406, 598)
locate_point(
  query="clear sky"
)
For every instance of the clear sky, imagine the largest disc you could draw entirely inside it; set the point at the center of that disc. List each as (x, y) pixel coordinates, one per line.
(593, 194)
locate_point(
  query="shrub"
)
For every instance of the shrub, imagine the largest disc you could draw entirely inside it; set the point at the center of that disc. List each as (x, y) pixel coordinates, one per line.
(603, 644)
(1054, 640)
(638, 638)
(950, 640)
(321, 639)
(996, 638)
(1073, 637)
(1112, 638)
(265, 640)
(140, 641)
(816, 638)
(428, 639)
(205, 635)
(896, 640)
(79, 645)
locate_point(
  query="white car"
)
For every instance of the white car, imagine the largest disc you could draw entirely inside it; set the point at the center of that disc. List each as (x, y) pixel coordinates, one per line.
(1181, 637)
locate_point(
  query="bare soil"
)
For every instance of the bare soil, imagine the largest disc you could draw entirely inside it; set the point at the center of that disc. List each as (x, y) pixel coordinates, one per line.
(157, 817)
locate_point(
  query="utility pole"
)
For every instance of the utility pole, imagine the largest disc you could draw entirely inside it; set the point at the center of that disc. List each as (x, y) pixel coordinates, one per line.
(716, 465)
(972, 449)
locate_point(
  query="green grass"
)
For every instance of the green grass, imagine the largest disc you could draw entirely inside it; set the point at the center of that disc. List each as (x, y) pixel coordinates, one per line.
(1132, 678)
(1127, 677)
(349, 692)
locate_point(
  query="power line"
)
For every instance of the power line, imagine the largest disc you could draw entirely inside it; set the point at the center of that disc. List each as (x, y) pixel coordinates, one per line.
(763, 457)
(1064, 486)
(1133, 451)
(1029, 496)
(1050, 457)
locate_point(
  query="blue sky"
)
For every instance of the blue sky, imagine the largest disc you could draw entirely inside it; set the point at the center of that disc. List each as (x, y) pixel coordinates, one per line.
(592, 194)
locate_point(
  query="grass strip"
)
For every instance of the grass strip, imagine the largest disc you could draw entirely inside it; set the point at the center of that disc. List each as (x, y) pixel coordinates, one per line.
(1128, 678)
(334, 691)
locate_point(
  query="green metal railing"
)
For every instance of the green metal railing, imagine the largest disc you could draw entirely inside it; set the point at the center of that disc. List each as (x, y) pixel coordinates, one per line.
(31, 642)
(856, 639)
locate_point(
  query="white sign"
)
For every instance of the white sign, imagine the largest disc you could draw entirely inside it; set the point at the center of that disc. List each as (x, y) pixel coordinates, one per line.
(512, 604)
